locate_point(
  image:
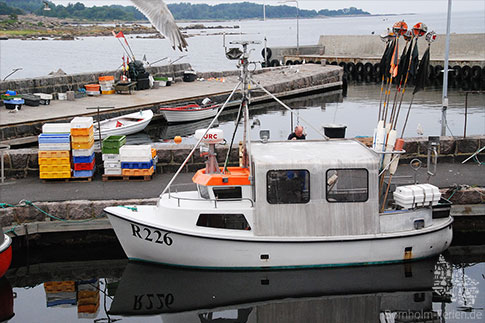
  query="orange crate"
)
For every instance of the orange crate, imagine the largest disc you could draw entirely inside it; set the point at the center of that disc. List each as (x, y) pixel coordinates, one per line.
(106, 78)
(82, 145)
(82, 139)
(154, 152)
(87, 308)
(55, 168)
(54, 154)
(54, 161)
(92, 87)
(82, 131)
(53, 175)
(59, 286)
(137, 172)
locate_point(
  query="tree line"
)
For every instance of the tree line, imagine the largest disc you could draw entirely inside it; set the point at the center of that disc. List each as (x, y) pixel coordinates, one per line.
(225, 11)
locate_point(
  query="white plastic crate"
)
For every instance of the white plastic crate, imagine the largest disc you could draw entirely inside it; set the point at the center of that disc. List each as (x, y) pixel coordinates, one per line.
(112, 171)
(412, 196)
(83, 152)
(82, 122)
(136, 153)
(112, 164)
(111, 157)
(56, 128)
(65, 146)
(44, 96)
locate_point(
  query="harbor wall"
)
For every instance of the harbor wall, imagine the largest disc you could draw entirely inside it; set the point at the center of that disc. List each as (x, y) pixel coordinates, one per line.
(72, 82)
(21, 163)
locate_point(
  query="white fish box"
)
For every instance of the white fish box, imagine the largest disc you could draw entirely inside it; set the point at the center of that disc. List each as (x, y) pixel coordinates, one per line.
(44, 96)
(83, 152)
(111, 157)
(412, 196)
(136, 153)
(82, 122)
(112, 171)
(64, 146)
(56, 128)
(112, 164)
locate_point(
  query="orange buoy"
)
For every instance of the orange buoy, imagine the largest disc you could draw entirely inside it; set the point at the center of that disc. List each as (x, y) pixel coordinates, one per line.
(177, 139)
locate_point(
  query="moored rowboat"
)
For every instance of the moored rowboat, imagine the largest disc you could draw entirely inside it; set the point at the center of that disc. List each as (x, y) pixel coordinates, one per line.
(124, 125)
(5, 252)
(189, 112)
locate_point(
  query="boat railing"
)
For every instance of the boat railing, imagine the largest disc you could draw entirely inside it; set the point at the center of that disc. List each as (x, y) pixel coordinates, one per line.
(200, 199)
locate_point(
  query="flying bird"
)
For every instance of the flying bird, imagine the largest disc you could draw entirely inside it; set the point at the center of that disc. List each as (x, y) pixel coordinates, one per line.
(162, 19)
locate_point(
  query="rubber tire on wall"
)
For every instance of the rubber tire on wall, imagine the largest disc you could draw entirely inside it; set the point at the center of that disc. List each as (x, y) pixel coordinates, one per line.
(359, 69)
(476, 72)
(289, 62)
(351, 68)
(377, 70)
(438, 71)
(457, 74)
(466, 72)
(334, 63)
(275, 63)
(431, 72)
(368, 69)
(268, 53)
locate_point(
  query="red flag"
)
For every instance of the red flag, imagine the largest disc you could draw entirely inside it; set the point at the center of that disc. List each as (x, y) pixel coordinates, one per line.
(114, 34)
(120, 35)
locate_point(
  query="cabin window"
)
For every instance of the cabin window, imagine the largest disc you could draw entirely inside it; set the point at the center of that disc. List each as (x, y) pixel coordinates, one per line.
(204, 192)
(223, 221)
(230, 192)
(288, 186)
(347, 185)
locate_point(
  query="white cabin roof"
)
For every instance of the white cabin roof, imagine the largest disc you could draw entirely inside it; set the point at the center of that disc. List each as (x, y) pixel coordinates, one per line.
(304, 152)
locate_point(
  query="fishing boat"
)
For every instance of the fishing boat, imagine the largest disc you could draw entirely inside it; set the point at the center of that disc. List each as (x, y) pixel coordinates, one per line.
(307, 292)
(6, 300)
(5, 252)
(124, 125)
(189, 112)
(289, 204)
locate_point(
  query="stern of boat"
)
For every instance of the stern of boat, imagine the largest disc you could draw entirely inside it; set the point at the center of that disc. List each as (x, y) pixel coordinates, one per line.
(5, 254)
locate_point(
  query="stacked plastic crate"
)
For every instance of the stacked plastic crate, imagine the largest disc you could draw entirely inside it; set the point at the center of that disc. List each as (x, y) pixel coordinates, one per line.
(54, 151)
(60, 293)
(88, 299)
(137, 160)
(107, 84)
(111, 155)
(82, 141)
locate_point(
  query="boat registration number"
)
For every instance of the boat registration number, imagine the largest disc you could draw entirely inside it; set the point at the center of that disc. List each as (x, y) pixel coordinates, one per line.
(151, 235)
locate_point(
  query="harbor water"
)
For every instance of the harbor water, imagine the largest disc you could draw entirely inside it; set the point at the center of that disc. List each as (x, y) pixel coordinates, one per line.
(99, 285)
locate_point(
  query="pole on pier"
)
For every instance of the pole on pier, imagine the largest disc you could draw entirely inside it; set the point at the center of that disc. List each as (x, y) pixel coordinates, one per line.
(445, 72)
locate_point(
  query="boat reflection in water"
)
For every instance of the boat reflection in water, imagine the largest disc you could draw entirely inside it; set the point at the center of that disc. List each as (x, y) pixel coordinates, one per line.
(353, 294)
(6, 300)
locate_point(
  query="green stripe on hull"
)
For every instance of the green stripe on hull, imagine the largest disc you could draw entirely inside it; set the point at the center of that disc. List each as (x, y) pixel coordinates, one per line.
(355, 264)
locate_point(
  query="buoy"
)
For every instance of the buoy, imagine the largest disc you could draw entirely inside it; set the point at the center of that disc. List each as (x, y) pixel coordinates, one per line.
(177, 139)
(268, 53)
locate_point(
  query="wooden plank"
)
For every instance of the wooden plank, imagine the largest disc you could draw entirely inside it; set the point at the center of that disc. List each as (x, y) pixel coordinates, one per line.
(126, 178)
(58, 226)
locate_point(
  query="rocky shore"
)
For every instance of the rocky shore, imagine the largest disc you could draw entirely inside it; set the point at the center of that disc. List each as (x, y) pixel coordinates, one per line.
(43, 28)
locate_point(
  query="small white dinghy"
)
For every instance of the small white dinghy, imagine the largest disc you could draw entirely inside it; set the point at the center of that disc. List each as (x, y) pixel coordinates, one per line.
(189, 112)
(124, 125)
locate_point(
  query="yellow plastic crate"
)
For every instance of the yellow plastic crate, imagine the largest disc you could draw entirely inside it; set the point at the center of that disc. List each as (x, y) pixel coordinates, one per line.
(82, 145)
(137, 172)
(108, 92)
(59, 286)
(82, 139)
(54, 161)
(55, 168)
(54, 154)
(82, 131)
(53, 175)
(154, 152)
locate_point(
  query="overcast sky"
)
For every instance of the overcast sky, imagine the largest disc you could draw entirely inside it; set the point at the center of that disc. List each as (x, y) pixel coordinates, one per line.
(372, 6)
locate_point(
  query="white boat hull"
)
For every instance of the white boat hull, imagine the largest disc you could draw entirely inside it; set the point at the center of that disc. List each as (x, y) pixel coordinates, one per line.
(174, 116)
(154, 243)
(108, 127)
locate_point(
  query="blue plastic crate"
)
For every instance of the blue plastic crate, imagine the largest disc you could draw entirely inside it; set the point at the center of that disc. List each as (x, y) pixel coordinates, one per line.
(137, 165)
(84, 173)
(54, 138)
(83, 159)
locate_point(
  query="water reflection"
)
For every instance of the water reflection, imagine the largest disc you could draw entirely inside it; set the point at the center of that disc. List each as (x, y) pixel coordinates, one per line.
(438, 290)
(360, 294)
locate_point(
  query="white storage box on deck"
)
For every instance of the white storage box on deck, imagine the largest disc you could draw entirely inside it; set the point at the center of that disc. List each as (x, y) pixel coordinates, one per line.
(112, 171)
(111, 157)
(44, 96)
(83, 152)
(56, 128)
(82, 122)
(412, 196)
(136, 153)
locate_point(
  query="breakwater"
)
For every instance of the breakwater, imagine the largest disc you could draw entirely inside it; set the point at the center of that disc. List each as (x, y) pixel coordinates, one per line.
(21, 163)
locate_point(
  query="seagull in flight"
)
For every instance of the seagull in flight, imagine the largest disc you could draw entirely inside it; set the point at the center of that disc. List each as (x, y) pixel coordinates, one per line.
(162, 19)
